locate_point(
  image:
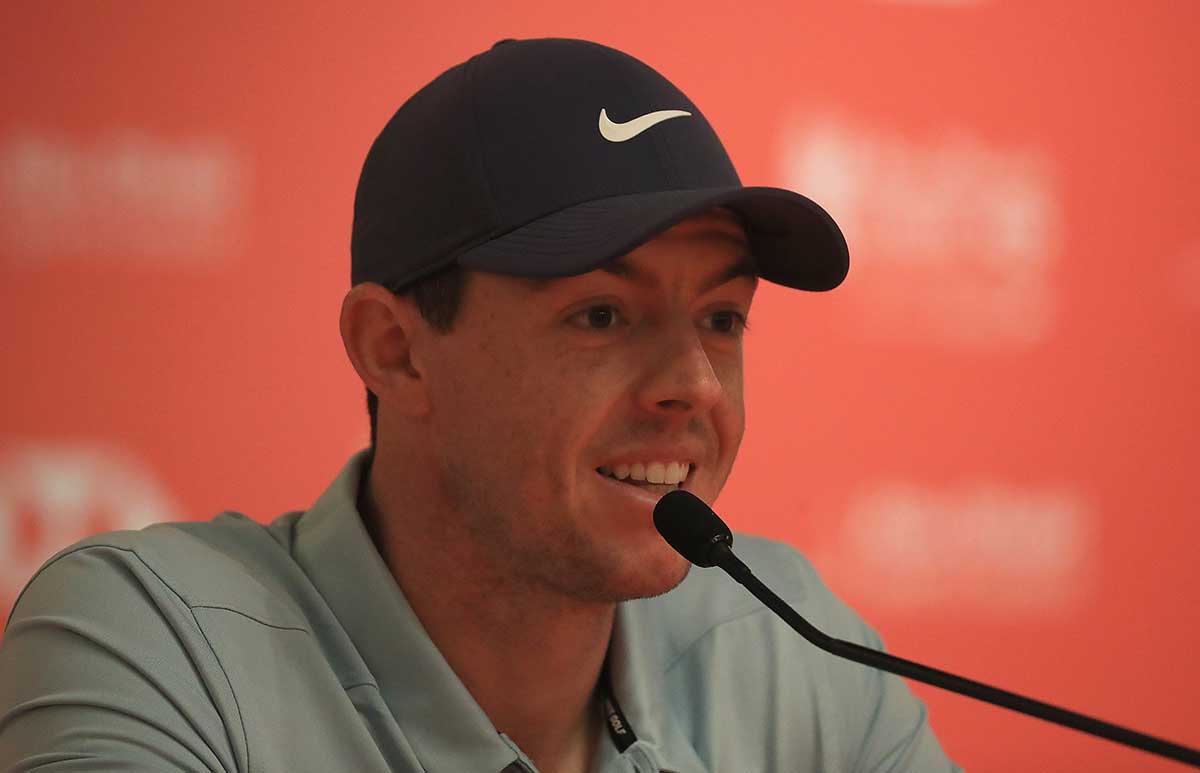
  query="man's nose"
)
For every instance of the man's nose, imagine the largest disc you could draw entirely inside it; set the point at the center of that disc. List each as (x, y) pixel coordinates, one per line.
(680, 370)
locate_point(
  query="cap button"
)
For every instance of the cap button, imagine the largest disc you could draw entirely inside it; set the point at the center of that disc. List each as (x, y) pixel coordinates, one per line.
(502, 42)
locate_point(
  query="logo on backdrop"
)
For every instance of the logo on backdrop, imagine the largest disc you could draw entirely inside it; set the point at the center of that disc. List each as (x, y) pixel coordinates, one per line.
(989, 547)
(125, 196)
(55, 494)
(953, 239)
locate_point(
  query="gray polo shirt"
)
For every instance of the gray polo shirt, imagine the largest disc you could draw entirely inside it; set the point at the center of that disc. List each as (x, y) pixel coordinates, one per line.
(228, 645)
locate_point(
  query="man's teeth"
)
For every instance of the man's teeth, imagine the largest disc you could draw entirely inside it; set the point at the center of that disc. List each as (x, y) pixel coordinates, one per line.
(669, 473)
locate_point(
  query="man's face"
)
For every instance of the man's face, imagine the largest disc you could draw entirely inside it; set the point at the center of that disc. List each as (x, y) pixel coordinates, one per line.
(543, 382)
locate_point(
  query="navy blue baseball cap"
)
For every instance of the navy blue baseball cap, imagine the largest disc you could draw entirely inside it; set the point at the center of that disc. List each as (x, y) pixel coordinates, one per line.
(550, 157)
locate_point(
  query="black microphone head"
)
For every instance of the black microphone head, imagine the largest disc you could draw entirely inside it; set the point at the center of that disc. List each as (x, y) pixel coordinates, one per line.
(691, 527)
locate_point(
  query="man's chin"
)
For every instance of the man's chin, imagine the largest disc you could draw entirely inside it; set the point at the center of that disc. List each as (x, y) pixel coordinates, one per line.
(654, 580)
(672, 584)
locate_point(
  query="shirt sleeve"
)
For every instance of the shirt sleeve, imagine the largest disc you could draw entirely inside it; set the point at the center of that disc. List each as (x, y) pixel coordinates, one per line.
(103, 667)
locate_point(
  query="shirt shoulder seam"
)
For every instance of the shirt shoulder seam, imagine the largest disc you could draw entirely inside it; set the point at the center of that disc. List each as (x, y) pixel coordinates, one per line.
(705, 634)
(248, 616)
(191, 610)
(746, 612)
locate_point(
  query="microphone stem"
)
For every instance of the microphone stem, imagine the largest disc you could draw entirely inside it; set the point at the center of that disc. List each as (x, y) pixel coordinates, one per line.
(947, 681)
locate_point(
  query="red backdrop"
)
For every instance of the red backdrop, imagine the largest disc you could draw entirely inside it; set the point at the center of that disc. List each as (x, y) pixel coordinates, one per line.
(986, 439)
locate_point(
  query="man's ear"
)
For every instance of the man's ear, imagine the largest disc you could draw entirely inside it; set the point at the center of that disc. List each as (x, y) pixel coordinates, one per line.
(378, 331)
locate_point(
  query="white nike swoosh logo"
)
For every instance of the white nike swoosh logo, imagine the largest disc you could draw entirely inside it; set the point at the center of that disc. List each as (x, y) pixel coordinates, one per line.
(619, 132)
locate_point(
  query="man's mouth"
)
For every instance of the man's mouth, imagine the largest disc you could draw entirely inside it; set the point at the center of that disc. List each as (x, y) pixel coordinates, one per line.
(654, 477)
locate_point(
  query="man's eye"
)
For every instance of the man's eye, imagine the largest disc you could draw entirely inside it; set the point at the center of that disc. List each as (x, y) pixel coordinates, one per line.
(730, 322)
(601, 317)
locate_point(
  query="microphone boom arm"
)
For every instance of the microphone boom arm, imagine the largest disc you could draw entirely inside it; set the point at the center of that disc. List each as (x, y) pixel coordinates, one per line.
(732, 565)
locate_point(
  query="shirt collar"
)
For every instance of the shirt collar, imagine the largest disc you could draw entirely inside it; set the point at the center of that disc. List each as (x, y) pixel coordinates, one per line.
(446, 728)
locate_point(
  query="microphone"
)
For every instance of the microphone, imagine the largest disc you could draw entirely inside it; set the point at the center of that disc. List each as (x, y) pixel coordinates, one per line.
(699, 535)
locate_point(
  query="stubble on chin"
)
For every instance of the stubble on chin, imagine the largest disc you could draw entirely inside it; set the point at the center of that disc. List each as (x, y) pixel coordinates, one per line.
(618, 581)
(552, 558)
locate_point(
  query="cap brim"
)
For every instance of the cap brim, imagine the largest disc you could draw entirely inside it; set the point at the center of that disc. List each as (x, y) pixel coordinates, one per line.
(792, 239)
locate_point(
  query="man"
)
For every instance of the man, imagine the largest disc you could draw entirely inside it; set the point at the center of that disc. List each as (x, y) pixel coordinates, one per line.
(552, 262)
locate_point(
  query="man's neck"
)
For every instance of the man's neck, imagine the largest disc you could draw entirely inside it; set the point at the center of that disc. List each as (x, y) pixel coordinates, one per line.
(529, 657)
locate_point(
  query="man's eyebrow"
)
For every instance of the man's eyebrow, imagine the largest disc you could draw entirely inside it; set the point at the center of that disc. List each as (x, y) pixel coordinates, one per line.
(744, 266)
